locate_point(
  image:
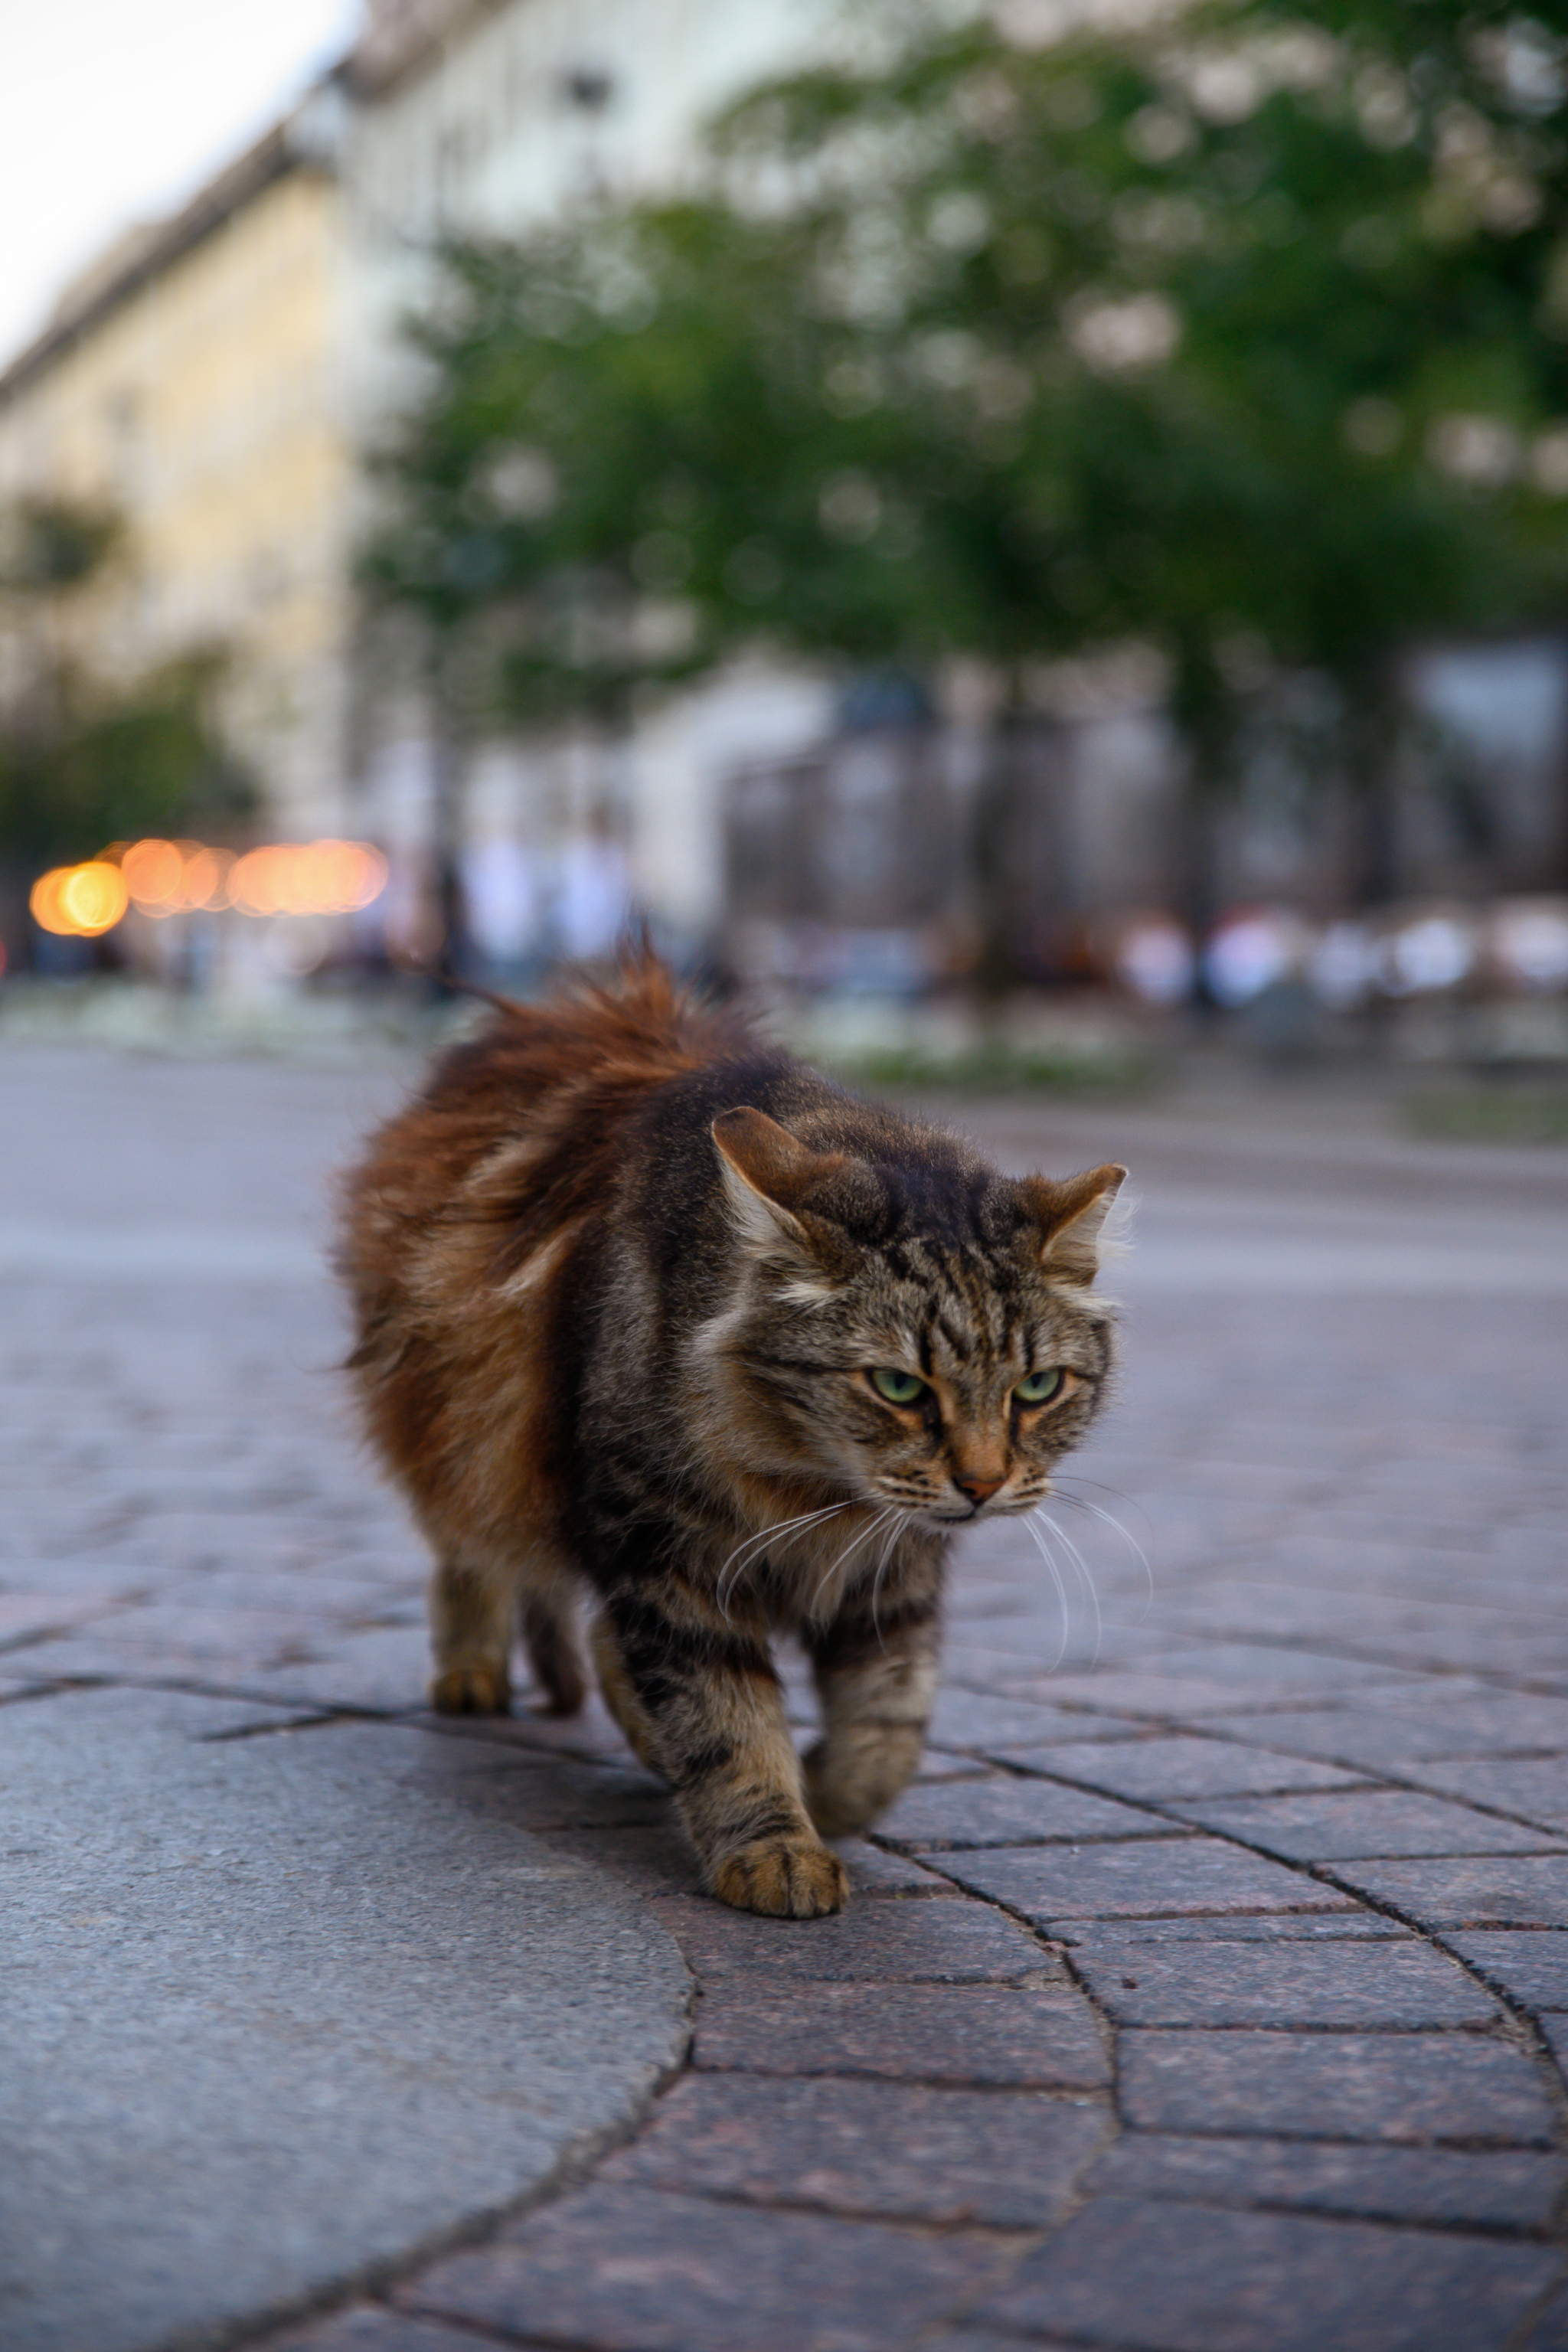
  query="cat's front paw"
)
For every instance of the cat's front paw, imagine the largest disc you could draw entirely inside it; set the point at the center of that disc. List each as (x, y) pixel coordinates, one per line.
(788, 1878)
(471, 1690)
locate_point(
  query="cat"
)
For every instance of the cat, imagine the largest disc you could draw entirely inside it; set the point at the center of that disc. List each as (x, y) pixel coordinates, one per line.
(646, 1306)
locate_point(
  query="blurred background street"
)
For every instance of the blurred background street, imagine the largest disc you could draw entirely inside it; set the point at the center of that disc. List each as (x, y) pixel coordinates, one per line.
(1026, 535)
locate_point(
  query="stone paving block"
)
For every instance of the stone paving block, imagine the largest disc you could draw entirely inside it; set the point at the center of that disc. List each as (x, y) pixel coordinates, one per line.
(78, 1577)
(273, 2020)
(888, 2149)
(320, 1591)
(1163, 1768)
(380, 1671)
(383, 1670)
(1154, 2277)
(1045, 2040)
(108, 1650)
(636, 2269)
(369, 2328)
(1535, 1787)
(1351, 1983)
(1554, 2026)
(873, 1871)
(1390, 1735)
(1009, 1812)
(1550, 2333)
(1383, 2086)
(1491, 1891)
(939, 1941)
(571, 1794)
(1323, 1828)
(25, 1615)
(1219, 1932)
(976, 1720)
(1165, 1696)
(992, 2339)
(1530, 1964)
(655, 1860)
(1493, 1649)
(1258, 1665)
(1440, 2186)
(591, 1733)
(1191, 1876)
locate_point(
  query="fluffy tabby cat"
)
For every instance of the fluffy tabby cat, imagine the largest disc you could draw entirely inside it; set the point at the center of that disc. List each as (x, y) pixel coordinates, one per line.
(645, 1307)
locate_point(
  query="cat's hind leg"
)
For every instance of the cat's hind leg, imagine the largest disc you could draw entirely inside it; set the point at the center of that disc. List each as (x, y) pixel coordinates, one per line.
(472, 1614)
(554, 1652)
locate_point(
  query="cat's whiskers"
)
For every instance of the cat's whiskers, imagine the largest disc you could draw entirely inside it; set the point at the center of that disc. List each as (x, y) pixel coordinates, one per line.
(850, 1548)
(1043, 1547)
(1127, 1538)
(900, 1520)
(753, 1544)
(1081, 1568)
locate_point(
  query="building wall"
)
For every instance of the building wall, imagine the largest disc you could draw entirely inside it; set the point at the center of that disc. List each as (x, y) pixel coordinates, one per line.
(204, 401)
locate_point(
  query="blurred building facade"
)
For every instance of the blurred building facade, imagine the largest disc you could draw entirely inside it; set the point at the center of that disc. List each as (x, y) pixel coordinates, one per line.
(191, 384)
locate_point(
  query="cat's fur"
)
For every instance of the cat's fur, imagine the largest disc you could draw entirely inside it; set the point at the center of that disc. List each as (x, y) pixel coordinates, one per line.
(621, 1274)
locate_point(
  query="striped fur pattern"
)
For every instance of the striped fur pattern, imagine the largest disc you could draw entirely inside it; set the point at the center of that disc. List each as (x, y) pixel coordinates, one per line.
(622, 1275)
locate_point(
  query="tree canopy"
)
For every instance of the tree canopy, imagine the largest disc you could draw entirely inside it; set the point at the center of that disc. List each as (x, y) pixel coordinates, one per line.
(86, 760)
(1243, 333)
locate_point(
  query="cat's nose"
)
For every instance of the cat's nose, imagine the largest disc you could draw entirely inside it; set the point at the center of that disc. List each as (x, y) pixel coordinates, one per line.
(977, 1489)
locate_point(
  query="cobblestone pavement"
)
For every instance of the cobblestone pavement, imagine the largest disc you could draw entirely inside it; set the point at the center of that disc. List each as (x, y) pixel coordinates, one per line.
(1208, 1993)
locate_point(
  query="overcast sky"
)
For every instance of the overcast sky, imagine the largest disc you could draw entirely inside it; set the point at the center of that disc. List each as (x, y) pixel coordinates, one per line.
(113, 110)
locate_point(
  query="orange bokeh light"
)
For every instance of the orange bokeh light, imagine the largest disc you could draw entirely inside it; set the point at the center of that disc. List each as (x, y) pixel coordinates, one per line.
(316, 877)
(253, 884)
(79, 902)
(204, 879)
(153, 871)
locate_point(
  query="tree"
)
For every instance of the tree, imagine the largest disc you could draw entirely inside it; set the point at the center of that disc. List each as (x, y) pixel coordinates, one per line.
(84, 759)
(86, 765)
(1244, 334)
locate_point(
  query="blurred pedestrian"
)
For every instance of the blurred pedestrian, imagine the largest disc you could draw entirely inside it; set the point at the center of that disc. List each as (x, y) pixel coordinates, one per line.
(594, 892)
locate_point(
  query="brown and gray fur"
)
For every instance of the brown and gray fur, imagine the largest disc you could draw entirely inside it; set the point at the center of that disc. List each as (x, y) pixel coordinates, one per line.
(621, 1275)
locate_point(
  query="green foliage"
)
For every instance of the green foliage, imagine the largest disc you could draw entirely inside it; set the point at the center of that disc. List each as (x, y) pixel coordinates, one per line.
(1001, 1066)
(84, 761)
(1490, 1114)
(48, 544)
(1245, 335)
(85, 766)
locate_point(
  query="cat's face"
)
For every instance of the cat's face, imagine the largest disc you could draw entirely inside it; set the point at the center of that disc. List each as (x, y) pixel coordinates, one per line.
(936, 1349)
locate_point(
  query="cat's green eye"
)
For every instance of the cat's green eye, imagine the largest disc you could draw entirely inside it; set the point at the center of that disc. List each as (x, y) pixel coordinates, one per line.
(1040, 1387)
(898, 1388)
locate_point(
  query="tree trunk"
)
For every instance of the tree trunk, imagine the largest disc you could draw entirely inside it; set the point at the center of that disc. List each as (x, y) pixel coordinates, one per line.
(446, 825)
(995, 863)
(1372, 748)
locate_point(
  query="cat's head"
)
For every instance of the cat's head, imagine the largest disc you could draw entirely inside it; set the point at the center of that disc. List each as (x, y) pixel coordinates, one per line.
(920, 1328)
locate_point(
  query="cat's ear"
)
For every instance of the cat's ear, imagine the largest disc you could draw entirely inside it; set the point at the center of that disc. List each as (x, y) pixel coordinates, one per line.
(1070, 1219)
(768, 1175)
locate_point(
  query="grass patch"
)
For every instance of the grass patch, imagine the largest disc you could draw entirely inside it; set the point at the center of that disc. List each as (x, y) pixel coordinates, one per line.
(1000, 1068)
(1489, 1115)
